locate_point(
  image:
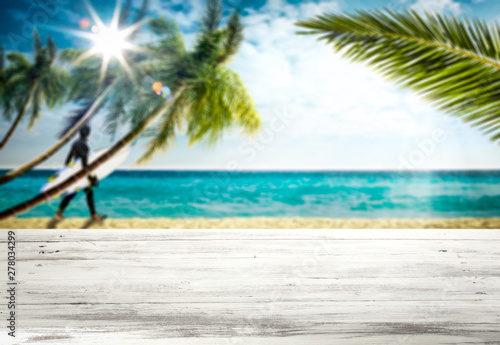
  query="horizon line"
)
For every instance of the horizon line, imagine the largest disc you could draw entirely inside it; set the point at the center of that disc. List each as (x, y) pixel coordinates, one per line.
(291, 170)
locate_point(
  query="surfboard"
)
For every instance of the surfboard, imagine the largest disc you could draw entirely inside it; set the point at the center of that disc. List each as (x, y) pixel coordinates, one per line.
(101, 172)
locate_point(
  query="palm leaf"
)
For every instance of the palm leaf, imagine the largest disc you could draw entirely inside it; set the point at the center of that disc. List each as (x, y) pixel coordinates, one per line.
(52, 48)
(171, 42)
(143, 11)
(452, 62)
(4, 76)
(220, 101)
(2, 58)
(70, 55)
(17, 85)
(85, 80)
(125, 14)
(142, 107)
(37, 41)
(115, 116)
(55, 85)
(164, 134)
(18, 61)
(36, 103)
(87, 96)
(76, 115)
(234, 37)
(212, 19)
(116, 110)
(10, 97)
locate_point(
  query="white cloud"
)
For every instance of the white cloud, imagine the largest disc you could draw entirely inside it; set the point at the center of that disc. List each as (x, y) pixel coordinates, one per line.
(192, 11)
(438, 5)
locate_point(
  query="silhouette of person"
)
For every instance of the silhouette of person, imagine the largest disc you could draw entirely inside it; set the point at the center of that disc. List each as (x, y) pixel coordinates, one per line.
(80, 150)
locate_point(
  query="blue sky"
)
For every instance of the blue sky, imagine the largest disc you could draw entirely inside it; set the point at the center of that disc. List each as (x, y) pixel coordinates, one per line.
(319, 112)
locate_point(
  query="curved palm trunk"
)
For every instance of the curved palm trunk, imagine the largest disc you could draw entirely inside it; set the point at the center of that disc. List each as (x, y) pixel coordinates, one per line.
(54, 148)
(17, 121)
(126, 140)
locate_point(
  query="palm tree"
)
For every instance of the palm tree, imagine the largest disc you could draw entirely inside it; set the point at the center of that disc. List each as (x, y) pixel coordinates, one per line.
(84, 83)
(452, 62)
(208, 97)
(5, 101)
(34, 85)
(3, 72)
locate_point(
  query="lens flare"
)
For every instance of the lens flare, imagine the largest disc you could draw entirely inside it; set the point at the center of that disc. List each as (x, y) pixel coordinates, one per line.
(165, 91)
(95, 29)
(162, 90)
(157, 87)
(84, 23)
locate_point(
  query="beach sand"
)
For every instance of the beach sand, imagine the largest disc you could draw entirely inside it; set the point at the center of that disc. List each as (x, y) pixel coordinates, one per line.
(252, 223)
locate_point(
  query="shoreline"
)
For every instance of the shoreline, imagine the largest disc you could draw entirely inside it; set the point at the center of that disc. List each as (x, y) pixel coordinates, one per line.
(251, 223)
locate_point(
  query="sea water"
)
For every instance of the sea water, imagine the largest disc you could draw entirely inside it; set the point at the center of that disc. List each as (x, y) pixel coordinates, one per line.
(211, 194)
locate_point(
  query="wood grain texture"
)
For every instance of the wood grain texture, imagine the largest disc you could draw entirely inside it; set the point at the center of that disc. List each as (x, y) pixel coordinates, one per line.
(255, 286)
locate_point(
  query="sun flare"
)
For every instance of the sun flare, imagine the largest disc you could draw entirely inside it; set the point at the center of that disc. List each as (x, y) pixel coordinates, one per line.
(109, 41)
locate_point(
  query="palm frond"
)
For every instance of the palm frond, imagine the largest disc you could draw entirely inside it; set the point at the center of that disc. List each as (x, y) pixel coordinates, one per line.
(171, 39)
(18, 61)
(70, 55)
(120, 97)
(141, 108)
(36, 105)
(2, 58)
(143, 11)
(7, 96)
(51, 45)
(212, 19)
(115, 116)
(13, 91)
(55, 85)
(85, 80)
(234, 32)
(164, 133)
(220, 101)
(7, 109)
(37, 41)
(453, 63)
(77, 114)
(125, 14)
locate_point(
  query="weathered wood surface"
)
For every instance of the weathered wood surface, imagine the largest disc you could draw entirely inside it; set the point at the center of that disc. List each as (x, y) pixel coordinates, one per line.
(255, 287)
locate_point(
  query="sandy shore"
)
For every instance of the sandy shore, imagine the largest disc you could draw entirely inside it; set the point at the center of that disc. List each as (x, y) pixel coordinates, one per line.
(250, 223)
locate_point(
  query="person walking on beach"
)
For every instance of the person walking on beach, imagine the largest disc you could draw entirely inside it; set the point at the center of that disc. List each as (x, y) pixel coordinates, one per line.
(80, 149)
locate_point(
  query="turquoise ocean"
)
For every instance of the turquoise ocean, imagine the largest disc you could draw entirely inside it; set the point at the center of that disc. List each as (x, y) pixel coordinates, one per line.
(212, 194)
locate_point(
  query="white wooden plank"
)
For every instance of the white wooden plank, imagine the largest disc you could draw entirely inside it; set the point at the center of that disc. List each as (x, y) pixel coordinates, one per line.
(136, 235)
(279, 287)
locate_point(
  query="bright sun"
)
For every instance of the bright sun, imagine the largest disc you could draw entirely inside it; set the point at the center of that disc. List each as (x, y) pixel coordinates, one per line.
(110, 42)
